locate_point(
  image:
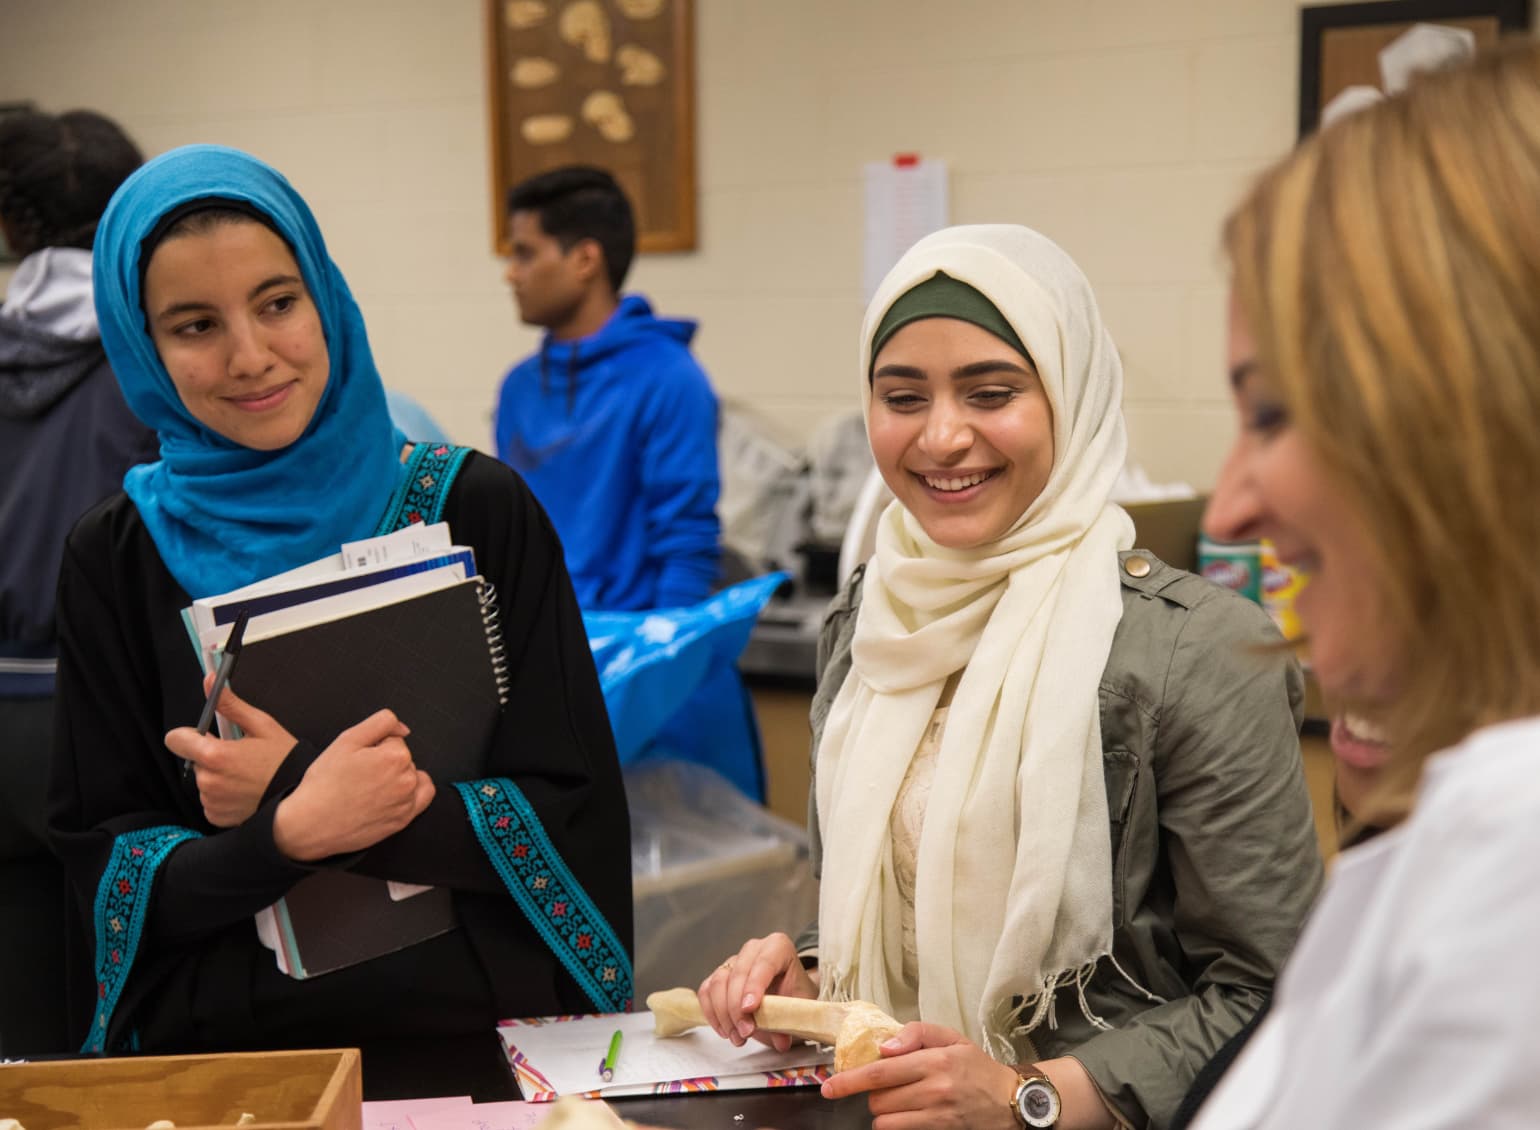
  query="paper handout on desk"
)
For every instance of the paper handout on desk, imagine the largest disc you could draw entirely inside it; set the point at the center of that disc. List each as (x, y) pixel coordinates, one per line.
(559, 1055)
(453, 1113)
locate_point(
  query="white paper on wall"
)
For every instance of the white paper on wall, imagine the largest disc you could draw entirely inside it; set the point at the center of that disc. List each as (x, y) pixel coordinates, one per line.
(906, 200)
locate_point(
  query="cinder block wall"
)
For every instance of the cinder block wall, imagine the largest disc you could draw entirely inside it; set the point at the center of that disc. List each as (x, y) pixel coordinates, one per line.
(1122, 128)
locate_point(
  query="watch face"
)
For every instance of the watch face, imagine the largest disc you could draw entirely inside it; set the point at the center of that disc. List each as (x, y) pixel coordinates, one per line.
(1038, 1103)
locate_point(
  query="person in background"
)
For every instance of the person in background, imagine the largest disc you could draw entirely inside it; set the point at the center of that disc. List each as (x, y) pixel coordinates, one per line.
(613, 424)
(1385, 367)
(70, 437)
(235, 336)
(1058, 804)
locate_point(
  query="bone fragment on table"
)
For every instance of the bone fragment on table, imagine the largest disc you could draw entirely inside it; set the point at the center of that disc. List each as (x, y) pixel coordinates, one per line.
(571, 1112)
(855, 1028)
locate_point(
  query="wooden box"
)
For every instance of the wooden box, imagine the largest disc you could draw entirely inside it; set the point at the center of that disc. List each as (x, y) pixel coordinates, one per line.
(287, 1090)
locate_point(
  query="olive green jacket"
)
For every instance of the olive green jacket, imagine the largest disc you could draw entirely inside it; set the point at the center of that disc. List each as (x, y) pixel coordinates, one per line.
(1215, 862)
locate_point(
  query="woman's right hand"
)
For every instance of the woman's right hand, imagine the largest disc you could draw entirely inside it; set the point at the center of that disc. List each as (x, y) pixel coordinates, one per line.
(363, 788)
(730, 996)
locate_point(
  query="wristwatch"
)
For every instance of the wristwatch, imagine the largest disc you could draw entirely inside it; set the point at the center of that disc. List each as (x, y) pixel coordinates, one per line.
(1036, 1102)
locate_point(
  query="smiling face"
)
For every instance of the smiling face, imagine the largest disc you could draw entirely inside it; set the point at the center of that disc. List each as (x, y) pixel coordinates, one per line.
(1274, 485)
(238, 332)
(961, 429)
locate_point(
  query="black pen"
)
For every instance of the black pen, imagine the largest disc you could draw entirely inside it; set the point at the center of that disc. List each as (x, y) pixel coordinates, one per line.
(222, 676)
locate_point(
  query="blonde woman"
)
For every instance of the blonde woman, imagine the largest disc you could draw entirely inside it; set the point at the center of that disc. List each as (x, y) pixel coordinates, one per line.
(1061, 817)
(1386, 369)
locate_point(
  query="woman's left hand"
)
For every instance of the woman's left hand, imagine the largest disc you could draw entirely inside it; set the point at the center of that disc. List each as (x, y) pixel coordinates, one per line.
(931, 1077)
(233, 775)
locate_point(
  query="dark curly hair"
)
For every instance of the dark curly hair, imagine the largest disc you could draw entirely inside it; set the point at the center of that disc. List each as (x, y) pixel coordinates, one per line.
(57, 173)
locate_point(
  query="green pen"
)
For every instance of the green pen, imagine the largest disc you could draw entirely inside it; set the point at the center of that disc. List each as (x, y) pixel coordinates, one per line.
(607, 1064)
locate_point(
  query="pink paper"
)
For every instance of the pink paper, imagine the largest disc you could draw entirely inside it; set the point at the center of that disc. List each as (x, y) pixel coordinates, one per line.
(485, 1116)
(402, 1115)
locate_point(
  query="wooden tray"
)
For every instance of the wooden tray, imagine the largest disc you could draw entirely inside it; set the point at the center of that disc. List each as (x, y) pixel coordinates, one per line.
(288, 1090)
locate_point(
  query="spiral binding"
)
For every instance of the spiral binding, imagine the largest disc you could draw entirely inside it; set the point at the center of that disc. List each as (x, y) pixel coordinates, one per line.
(492, 622)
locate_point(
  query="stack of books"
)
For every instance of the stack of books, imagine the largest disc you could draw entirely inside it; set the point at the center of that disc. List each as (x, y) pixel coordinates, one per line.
(402, 622)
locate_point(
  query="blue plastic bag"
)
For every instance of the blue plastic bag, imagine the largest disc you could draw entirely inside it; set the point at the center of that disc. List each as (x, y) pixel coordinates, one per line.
(651, 663)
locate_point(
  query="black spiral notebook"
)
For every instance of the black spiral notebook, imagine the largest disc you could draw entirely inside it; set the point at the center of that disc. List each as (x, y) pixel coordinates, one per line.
(436, 660)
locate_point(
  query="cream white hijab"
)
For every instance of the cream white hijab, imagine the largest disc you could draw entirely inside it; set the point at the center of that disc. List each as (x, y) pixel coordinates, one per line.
(1013, 895)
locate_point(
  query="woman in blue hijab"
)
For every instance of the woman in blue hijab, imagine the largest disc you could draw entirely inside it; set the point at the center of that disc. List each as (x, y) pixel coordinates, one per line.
(235, 337)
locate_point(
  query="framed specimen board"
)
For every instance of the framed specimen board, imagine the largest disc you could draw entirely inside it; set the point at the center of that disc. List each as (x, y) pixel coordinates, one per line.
(597, 82)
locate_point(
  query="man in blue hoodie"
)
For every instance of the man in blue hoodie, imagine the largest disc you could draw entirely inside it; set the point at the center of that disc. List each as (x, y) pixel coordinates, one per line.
(612, 423)
(614, 426)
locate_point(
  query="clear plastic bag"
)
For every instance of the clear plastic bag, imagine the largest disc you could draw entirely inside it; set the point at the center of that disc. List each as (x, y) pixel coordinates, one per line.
(763, 488)
(709, 870)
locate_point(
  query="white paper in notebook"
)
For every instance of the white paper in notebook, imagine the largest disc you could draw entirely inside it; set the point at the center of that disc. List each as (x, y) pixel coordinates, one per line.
(552, 1057)
(404, 544)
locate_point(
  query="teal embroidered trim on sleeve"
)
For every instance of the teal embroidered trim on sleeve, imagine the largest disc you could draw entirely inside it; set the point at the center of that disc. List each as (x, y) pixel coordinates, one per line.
(429, 473)
(122, 903)
(547, 892)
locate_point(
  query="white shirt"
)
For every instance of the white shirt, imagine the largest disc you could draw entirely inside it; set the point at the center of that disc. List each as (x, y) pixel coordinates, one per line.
(1413, 998)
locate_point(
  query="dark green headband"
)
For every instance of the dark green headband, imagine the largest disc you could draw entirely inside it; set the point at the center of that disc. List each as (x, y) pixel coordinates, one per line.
(942, 296)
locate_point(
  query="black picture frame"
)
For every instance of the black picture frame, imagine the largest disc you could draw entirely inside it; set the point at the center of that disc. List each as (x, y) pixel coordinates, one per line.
(1317, 20)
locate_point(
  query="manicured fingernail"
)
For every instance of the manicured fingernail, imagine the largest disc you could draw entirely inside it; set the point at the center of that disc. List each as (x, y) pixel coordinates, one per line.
(824, 1091)
(748, 1002)
(893, 1045)
(745, 1028)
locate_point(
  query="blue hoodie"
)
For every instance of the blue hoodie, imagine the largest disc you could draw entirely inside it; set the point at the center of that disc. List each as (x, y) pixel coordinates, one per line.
(617, 436)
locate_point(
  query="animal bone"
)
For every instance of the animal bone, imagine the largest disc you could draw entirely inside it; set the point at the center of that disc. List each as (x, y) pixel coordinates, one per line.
(641, 9)
(533, 72)
(855, 1028)
(574, 1113)
(523, 14)
(638, 66)
(606, 112)
(546, 129)
(584, 25)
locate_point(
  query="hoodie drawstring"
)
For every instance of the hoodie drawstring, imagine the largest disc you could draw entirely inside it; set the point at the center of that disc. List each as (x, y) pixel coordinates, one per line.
(572, 378)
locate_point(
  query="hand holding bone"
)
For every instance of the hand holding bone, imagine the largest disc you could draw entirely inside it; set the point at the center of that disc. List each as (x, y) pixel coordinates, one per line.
(855, 1028)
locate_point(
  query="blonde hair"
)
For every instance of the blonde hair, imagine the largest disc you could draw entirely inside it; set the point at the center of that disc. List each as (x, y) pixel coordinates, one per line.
(1390, 272)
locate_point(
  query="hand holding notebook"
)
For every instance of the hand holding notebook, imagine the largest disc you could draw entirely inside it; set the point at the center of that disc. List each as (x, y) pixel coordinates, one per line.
(231, 774)
(364, 787)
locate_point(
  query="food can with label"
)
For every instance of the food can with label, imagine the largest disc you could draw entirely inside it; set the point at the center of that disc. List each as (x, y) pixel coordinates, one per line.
(1280, 585)
(1235, 565)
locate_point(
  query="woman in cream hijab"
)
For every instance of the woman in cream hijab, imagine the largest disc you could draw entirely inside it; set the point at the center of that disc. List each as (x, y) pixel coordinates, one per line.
(1058, 796)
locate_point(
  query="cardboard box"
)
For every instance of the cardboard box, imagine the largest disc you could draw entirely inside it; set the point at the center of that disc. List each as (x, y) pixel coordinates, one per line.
(1169, 530)
(287, 1090)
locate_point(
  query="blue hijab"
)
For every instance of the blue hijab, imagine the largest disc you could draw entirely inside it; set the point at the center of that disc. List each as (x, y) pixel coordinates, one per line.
(223, 515)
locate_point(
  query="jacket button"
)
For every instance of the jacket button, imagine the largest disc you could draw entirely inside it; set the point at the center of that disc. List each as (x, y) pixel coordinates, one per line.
(1136, 567)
